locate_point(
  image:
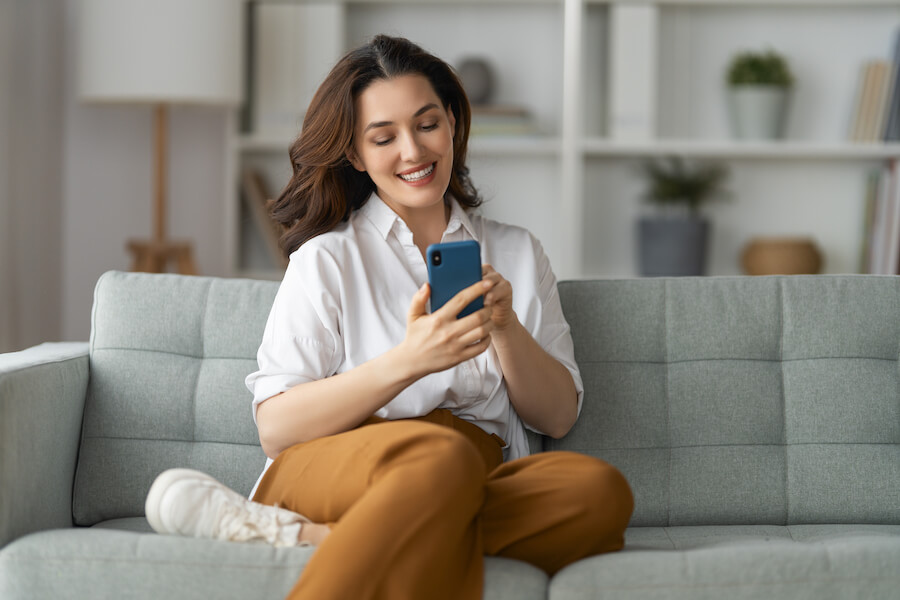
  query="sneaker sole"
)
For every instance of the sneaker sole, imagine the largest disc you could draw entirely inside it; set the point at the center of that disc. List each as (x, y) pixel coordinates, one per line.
(158, 489)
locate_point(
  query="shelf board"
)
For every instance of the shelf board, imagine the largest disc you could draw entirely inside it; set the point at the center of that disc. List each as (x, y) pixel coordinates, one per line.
(800, 150)
(756, 3)
(263, 143)
(478, 145)
(455, 2)
(482, 145)
(601, 147)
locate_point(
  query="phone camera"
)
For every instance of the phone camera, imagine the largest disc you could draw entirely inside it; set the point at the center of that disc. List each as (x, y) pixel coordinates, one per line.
(436, 258)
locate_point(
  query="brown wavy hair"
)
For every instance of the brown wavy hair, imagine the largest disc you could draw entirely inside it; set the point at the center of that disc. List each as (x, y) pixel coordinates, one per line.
(325, 188)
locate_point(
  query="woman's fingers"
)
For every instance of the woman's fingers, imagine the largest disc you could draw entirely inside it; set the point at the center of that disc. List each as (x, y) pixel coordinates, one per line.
(475, 326)
(475, 336)
(461, 300)
(418, 305)
(441, 340)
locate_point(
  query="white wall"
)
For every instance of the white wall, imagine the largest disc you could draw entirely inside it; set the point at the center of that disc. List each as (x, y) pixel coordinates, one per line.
(107, 187)
(7, 297)
(80, 180)
(31, 178)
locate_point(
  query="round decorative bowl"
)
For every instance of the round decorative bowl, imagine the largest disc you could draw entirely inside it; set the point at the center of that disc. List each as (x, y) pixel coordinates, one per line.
(781, 256)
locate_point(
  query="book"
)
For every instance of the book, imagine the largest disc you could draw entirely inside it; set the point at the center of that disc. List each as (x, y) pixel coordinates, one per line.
(883, 230)
(892, 125)
(863, 94)
(865, 255)
(879, 225)
(883, 77)
(892, 239)
(256, 198)
(494, 119)
(871, 101)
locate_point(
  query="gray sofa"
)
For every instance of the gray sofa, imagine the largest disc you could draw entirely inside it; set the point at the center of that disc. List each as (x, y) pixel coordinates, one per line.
(758, 420)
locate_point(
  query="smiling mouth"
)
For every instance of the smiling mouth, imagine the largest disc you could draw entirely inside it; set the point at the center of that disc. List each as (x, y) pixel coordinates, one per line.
(417, 175)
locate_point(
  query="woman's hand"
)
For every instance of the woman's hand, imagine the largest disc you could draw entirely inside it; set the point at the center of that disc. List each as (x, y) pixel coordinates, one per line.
(540, 388)
(498, 297)
(437, 341)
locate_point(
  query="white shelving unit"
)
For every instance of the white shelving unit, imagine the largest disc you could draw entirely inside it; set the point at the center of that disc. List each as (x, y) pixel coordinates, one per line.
(797, 150)
(612, 83)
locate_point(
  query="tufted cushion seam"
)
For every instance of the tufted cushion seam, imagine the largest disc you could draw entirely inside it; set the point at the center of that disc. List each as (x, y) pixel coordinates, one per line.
(172, 352)
(678, 447)
(568, 588)
(735, 359)
(158, 439)
(784, 424)
(667, 339)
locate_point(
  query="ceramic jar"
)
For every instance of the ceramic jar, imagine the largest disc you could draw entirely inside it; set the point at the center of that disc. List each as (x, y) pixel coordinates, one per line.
(781, 256)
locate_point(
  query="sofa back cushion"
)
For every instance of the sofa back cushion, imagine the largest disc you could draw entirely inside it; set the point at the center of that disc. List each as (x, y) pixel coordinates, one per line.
(723, 400)
(743, 400)
(168, 359)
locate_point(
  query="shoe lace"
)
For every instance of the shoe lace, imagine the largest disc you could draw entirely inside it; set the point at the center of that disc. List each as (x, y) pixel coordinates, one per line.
(248, 522)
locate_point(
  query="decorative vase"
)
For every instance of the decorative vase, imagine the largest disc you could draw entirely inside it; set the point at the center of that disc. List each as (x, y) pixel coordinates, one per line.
(477, 77)
(781, 256)
(672, 246)
(758, 112)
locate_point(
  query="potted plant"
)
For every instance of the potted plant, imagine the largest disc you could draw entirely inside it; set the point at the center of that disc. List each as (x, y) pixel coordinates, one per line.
(759, 85)
(673, 241)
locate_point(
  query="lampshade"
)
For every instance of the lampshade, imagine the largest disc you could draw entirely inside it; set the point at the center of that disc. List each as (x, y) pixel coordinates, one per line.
(161, 51)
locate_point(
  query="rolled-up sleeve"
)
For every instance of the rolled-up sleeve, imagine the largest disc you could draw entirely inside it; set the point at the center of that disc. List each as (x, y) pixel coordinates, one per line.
(301, 339)
(553, 332)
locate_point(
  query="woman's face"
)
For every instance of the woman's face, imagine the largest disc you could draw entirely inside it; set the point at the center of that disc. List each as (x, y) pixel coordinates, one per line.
(403, 139)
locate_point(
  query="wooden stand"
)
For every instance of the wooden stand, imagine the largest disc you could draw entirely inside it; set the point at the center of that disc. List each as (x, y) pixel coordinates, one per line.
(154, 256)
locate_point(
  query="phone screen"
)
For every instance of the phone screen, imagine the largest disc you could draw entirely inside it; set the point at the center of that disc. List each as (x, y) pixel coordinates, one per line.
(453, 266)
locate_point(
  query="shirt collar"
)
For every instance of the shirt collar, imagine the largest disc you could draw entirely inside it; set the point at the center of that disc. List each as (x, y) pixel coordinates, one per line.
(459, 218)
(380, 214)
(385, 219)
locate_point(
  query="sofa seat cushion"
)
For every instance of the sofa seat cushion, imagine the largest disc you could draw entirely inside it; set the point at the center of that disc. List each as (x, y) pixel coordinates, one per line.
(738, 562)
(136, 524)
(117, 559)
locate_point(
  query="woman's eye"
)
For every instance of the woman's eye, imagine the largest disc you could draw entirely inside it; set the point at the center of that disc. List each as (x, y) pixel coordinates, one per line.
(383, 142)
(430, 126)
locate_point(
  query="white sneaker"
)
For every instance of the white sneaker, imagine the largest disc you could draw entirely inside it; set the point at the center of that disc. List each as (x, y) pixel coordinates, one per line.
(193, 504)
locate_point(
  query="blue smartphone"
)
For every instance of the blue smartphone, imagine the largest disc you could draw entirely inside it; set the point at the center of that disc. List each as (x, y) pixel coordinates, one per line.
(453, 266)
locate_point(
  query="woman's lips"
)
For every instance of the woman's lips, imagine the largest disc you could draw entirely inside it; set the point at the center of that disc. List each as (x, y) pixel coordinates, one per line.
(418, 175)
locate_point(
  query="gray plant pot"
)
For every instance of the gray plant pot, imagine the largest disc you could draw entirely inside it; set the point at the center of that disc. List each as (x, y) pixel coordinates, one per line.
(758, 112)
(672, 246)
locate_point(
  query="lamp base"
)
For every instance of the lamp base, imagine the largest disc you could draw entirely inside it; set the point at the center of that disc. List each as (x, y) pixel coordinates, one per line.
(153, 256)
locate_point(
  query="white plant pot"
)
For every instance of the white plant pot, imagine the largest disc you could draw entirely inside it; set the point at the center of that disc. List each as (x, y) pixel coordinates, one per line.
(758, 112)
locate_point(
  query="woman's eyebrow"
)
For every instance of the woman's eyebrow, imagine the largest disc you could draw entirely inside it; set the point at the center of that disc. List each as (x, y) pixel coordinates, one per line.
(419, 113)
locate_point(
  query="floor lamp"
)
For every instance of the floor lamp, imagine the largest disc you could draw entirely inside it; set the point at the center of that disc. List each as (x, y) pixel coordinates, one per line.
(161, 53)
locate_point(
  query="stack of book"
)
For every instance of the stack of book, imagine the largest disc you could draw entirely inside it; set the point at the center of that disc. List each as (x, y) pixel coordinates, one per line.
(881, 238)
(876, 115)
(499, 120)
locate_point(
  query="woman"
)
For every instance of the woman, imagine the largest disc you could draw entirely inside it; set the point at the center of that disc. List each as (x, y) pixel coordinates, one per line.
(398, 433)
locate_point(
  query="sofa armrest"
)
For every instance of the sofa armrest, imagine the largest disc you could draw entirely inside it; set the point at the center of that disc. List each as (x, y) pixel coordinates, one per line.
(42, 392)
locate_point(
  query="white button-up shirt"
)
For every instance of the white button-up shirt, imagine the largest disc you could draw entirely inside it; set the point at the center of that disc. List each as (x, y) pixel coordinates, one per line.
(345, 297)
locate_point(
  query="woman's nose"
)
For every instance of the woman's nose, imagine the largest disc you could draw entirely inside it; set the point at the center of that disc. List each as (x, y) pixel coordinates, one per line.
(411, 148)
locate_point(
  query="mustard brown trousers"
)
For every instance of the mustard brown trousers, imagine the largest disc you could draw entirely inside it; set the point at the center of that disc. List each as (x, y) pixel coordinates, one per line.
(415, 504)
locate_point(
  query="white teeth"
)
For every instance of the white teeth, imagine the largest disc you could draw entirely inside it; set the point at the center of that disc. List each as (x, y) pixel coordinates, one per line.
(418, 174)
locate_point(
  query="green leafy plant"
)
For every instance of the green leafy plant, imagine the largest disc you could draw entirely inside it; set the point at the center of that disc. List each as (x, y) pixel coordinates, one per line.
(674, 183)
(760, 68)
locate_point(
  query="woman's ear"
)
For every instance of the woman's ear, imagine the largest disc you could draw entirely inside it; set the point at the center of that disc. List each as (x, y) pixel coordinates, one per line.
(354, 160)
(452, 119)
